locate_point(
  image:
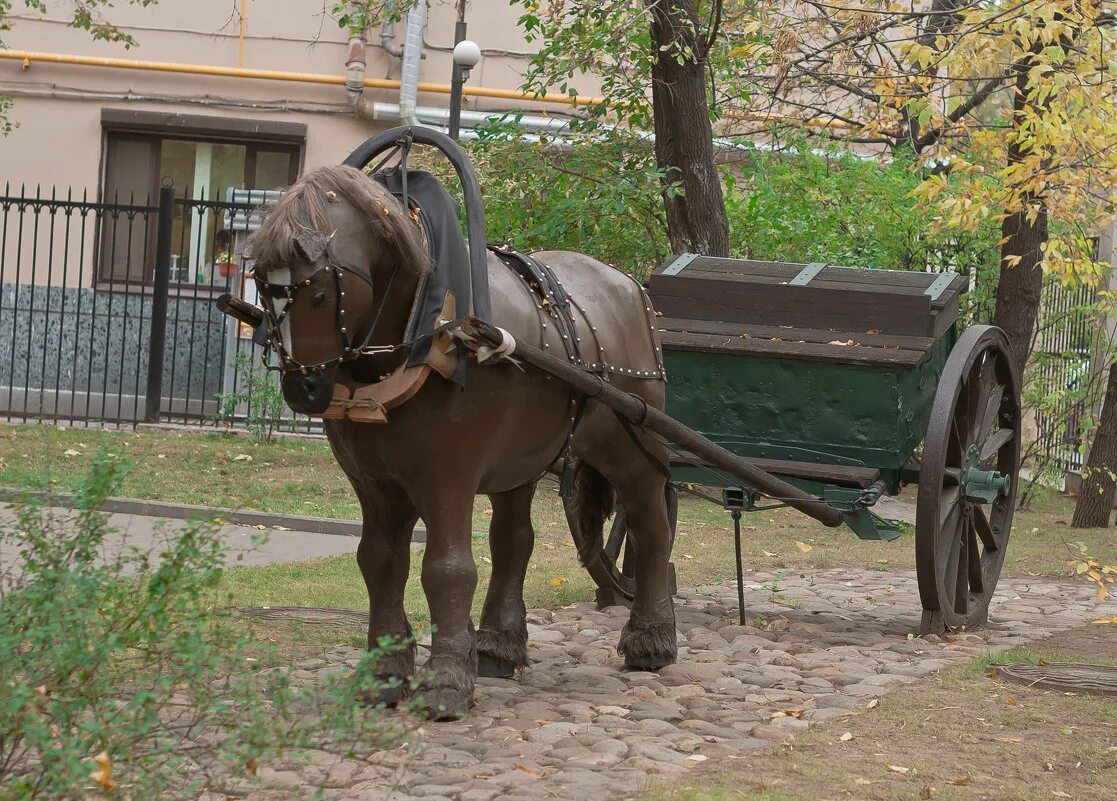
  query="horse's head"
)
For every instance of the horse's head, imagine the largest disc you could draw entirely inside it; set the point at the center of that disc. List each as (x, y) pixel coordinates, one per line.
(326, 259)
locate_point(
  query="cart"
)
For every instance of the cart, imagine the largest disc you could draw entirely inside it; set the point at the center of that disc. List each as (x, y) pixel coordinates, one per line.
(848, 384)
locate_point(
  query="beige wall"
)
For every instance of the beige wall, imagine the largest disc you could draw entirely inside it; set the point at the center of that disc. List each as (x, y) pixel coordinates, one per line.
(57, 107)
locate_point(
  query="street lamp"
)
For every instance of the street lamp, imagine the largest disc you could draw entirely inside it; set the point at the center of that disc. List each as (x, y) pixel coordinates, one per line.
(466, 56)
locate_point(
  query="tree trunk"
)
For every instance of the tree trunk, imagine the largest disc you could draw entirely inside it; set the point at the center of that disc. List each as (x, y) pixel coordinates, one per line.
(684, 148)
(1095, 501)
(1021, 283)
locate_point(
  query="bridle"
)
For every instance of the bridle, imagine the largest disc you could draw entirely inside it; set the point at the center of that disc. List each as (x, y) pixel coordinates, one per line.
(349, 350)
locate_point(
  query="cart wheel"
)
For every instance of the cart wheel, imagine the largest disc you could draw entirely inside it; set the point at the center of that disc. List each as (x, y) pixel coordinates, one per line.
(967, 482)
(615, 572)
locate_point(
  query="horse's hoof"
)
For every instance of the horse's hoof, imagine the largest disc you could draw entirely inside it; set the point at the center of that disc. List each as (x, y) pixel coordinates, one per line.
(650, 664)
(445, 703)
(387, 696)
(647, 646)
(492, 667)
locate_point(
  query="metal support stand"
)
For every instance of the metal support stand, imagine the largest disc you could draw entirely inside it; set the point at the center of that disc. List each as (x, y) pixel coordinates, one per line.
(740, 568)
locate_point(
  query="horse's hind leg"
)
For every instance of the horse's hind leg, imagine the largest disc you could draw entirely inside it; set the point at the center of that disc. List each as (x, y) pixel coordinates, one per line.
(648, 640)
(384, 556)
(502, 636)
(449, 581)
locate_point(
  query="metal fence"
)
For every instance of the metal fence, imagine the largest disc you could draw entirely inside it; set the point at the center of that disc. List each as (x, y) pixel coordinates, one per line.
(107, 311)
(1064, 350)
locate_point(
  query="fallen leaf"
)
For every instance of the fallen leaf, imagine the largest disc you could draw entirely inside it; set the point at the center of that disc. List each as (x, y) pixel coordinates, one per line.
(71, 452)
(859, 780)
(162, 456)
(1110, 620)
(802, 546)
(103, 777)
(486, 560)
(873, 703)
(769, 553)
(1013, 740)
(42, 690)
(873, 331)
(525, 769)
(697, 758)
(687, 556)
(1011, 701)
(558, 581)
(927, 792)
(961, 781)
(844, 343)
(898, 768)
(1043, 663)
(845, 738)
(488, 512)
(1060, 794)
(242, 457)
(251, 766)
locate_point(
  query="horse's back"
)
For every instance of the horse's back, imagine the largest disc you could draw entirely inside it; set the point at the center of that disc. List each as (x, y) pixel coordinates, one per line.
(613, 318)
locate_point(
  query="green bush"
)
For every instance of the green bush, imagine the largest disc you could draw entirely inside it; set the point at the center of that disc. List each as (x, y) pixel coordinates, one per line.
(118, 670)
(259, 391)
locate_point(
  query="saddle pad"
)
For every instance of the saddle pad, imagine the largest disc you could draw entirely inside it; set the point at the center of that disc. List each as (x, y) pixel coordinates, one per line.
(449, 258)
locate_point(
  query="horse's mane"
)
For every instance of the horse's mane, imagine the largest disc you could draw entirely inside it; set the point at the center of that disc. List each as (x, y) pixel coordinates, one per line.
(304, 208)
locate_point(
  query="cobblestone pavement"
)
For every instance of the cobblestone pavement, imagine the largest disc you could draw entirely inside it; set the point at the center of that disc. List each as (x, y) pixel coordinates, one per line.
(576, 726)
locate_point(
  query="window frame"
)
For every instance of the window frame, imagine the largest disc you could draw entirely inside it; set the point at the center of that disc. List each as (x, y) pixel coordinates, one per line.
(155, 128)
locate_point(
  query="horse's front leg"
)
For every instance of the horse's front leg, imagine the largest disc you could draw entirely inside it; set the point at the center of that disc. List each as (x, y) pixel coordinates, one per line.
(502, 636)
(449, 580)
(384, 556)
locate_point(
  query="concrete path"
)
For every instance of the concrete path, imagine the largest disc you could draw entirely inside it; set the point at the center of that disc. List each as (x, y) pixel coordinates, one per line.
(144, 532)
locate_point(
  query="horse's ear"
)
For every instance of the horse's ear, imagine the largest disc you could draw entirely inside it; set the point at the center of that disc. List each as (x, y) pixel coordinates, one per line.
(313, 245)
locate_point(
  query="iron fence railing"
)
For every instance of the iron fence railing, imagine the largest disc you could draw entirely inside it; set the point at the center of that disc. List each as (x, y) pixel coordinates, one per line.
(107, 311)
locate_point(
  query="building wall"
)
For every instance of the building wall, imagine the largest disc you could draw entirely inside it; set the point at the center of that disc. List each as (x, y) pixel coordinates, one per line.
(57, 106)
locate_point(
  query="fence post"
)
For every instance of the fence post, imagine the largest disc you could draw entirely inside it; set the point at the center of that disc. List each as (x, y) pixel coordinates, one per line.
(157, 343)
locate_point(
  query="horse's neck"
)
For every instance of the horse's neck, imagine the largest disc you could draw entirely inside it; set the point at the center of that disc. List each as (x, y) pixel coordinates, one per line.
(390, 315)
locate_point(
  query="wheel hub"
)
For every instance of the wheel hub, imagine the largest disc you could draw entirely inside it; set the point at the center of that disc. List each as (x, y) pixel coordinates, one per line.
(982, 486)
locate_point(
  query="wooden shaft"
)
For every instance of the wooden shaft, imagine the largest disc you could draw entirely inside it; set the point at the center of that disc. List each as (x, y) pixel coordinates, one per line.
(637, 412)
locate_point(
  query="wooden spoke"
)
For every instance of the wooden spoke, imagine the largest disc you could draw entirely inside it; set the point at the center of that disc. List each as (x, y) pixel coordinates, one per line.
(984, 530)
(950, 507)
(991, 412)
(994, 442)
(986, 389)
(961, 571)
(951, 476)
(977, 580)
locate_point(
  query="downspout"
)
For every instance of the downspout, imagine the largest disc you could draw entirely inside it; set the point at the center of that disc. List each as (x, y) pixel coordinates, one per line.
(412, 54)
(355, 64)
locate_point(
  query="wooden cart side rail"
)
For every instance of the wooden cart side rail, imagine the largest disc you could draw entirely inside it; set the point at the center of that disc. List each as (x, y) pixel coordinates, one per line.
(637, 412)
(792, 333)
(842, 475)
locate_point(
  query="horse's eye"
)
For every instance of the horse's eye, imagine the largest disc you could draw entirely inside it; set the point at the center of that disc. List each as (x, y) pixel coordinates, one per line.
(319, 299)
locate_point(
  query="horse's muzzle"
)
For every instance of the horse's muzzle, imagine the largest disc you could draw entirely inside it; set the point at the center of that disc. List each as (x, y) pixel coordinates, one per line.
(308, 393)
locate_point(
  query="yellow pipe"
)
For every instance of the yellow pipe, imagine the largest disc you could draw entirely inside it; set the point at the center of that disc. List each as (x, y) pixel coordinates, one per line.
(28, 57)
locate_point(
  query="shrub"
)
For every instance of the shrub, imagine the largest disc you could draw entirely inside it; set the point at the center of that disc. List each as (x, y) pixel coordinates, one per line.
(118, 671)
(259, 392)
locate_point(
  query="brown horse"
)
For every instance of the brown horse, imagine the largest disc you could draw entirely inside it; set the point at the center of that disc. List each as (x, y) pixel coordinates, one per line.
(339, 265)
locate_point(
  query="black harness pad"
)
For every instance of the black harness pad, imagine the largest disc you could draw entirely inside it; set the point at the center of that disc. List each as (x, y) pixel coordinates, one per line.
(555, 299)
(449, 259)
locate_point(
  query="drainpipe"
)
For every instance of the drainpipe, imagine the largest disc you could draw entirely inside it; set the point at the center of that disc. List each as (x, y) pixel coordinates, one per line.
(355, 65)
(412, 53)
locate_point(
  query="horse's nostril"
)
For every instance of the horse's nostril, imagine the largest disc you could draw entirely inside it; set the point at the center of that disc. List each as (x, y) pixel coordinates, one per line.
(319, 299)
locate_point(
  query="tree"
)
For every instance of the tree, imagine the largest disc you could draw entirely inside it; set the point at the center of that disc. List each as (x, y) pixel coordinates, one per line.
(1099, 488)
(84, 15)
(1015, 97)
(671, 50)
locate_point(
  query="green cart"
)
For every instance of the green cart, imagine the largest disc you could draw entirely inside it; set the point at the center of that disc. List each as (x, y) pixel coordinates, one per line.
(849, 384)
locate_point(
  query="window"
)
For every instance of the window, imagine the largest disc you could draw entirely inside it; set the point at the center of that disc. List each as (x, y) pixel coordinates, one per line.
(202, 158)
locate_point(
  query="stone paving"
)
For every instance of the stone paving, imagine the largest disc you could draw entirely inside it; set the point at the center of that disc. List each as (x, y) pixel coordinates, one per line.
(576, 726)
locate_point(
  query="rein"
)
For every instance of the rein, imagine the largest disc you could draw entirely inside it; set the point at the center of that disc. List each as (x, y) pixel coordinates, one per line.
(350, 352)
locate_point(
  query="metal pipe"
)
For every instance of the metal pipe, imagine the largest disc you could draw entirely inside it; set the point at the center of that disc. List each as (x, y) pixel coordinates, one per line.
(355, 65)
(28, 57)
(412, 54)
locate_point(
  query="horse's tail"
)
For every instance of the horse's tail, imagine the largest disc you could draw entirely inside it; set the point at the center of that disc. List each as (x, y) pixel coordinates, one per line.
(586, 512)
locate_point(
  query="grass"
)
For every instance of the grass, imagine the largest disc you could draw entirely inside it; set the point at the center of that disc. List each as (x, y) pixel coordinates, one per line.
(294, 476)
(959, 735)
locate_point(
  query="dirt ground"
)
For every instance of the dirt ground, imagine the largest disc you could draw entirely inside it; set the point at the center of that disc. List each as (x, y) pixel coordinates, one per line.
(959, 735)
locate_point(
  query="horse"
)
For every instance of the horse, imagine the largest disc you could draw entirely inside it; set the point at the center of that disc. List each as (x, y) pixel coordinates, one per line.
(339, 262)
